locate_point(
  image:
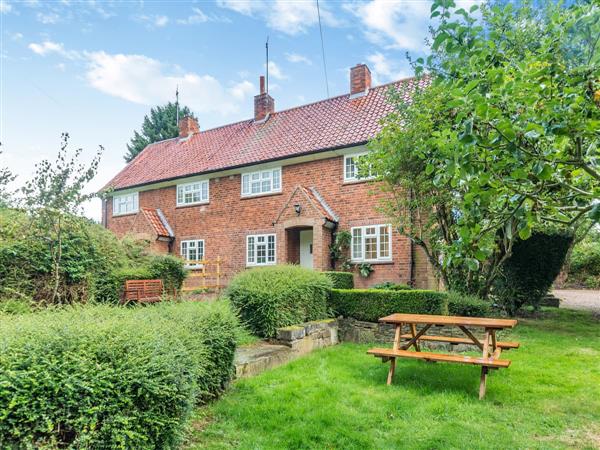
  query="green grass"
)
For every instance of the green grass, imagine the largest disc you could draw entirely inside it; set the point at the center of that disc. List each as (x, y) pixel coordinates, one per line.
(337, 398)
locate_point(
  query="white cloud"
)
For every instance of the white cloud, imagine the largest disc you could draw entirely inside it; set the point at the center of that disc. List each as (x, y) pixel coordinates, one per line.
(383, 70)
(291, 17)
(275, 71)
(153, 21)
(296, 58)
(16, 36)
(5, 7)
(140, 79)
(198, 16)
(49, 18)
(61, 66)
(48, 47)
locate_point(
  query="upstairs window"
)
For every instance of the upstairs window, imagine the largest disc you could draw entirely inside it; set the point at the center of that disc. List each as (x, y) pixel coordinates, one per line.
(125, 204)
(354, 170)
(371, 243)
(192, 250)
(263, 182)
(192, 193)
(260, 250)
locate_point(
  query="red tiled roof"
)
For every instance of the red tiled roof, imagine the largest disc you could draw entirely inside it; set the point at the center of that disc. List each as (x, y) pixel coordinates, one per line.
(333, 123)
(319, 203)
(154, 217)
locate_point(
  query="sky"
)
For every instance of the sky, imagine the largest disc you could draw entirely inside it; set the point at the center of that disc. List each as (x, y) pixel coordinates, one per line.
(95, 68)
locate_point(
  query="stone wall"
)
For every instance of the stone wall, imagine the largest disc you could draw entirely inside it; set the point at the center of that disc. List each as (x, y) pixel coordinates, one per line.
(309, 336)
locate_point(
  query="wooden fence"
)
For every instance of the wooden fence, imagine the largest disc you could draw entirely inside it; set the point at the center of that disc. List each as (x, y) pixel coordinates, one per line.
(207, 271)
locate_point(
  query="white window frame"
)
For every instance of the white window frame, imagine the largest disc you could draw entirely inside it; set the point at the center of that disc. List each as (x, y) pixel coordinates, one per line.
(201, 184)
(251, 260)
(261, 176)
(361, 258)
(198, 243)
(355, 177)
(123, 199)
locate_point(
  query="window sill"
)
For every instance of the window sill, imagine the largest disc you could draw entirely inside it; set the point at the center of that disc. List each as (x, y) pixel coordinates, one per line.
(133, 213)
(270, 194)
(190, 205)
(375, 263)
(365, 180)
(259, 265)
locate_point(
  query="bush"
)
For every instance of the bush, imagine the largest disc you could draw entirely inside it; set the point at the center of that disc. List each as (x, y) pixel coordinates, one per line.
(584, 265)
(103, 377)
(391, 286)
(371, 304)
(271, 297)
(170, 270)
(467, 305)
(110, 287)
(341, 280)
(529, 272)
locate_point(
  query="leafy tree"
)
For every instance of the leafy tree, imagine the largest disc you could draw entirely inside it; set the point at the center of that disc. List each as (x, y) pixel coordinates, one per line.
(504, 139)
(6, 177)
(160, 125)
(53, 197)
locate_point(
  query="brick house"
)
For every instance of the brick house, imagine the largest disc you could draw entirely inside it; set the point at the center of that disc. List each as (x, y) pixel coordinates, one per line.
(271, 189)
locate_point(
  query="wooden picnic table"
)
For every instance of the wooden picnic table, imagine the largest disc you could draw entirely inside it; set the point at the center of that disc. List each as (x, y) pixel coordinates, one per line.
(491, 348)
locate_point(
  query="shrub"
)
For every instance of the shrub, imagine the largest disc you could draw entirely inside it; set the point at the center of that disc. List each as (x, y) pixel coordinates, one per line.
(371, 304)
(391, 286)
(170, 270)
(341, 280)
(467, 305)
(271, 297)
(104, 377)
(110, 287)
(529, 272)
(584, 265)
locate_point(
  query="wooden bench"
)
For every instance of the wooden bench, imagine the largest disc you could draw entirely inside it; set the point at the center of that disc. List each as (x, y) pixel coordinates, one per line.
(491, 348)
(143, 291)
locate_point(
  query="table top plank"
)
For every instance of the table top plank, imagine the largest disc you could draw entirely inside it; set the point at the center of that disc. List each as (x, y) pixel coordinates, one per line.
(484, 322)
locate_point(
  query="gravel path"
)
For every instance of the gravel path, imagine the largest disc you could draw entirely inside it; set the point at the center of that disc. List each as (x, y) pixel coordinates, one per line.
(579, 299)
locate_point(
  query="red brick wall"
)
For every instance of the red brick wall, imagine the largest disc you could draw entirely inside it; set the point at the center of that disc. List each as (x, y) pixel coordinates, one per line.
(228, 218)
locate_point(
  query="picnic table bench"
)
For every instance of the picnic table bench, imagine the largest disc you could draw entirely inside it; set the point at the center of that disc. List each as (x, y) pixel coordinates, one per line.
(491, 348)
(143, 291)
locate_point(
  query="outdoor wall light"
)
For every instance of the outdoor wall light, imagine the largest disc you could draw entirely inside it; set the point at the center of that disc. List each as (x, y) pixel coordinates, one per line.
(298, 209)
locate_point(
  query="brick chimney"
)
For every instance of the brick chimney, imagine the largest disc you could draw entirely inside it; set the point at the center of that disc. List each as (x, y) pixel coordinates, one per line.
(187, 126)
(360, 80)
(263, 103)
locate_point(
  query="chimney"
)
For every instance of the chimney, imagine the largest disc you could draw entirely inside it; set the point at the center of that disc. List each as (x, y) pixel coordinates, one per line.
(263, 103)
(360, 80)
(188, 126)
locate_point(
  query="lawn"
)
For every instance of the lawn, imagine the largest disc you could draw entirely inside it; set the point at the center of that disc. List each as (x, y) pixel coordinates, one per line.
(337, 398)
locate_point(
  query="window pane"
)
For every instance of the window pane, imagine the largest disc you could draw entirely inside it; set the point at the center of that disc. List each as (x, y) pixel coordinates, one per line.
(276, 179)
(266, 186)
(245, 184)
(200, 250)
(350, 167)
(370, 247)
(184, 250)
(251, 249)
(384, 242)
(271, 249)
(261, 253)
(205, 191)
(256, 187)
(357, 243)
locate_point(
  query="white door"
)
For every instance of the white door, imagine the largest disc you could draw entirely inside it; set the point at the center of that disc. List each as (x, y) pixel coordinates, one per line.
(306, 248)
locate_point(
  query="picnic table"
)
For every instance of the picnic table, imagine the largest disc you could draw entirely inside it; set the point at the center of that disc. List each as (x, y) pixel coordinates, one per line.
(490, 347)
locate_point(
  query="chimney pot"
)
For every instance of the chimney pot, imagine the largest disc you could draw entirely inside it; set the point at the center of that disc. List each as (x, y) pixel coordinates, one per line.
(263, 103)
(360, 80)
(187, 126)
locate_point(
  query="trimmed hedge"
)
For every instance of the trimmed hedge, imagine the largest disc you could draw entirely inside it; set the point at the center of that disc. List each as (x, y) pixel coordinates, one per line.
(341, 280)
(391, 286)
(467, 305)
(102, 377)
(371, 304)
(278, 296)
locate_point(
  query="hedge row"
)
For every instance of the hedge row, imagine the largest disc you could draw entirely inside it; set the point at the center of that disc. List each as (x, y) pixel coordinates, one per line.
(341, 280)
(102, 377)
(467, 305)
(371, 304)
(271, 297)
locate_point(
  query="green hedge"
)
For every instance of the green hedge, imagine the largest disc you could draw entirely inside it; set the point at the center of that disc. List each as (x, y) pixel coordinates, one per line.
(271, 297)
(467, 305)
(371, 304)
(341, 280)
(391, 286)
(103, 377)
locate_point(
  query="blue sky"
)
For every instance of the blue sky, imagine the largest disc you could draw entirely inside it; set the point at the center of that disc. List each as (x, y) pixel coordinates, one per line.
(94, 68)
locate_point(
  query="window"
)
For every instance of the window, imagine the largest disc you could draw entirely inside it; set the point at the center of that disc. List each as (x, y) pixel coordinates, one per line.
(125, 204)
(260, 250)
(353, 170)
(371, 243)
(192, 193)
(263, 182)
(192, 250)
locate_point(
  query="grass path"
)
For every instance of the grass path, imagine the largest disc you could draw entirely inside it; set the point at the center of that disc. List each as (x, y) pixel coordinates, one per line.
(336, 398)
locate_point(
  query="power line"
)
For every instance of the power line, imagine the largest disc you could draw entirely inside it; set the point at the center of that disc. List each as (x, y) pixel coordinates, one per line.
(323, 49)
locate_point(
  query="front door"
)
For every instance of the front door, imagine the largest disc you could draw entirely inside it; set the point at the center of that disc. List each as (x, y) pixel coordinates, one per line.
(306, 248)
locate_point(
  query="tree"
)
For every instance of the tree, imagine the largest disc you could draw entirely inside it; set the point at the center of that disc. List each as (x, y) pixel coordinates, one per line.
(161, 125)
(506, 137)
(53, 198)
(6, 177)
